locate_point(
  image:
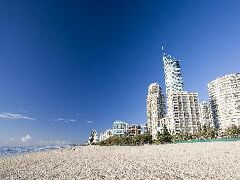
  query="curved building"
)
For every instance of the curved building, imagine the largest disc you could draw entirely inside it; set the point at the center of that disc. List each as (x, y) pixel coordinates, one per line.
(173, 77)
(224, 93)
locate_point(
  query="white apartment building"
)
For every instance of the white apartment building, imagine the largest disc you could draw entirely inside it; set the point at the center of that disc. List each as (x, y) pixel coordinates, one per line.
(120, 128)
(93, 138)
(205, 114)
(143, 128)
(184, 113)
(224, 93)
(155, 108)
(182, 107)
(105, 135)
(163, 121)
(173, 77)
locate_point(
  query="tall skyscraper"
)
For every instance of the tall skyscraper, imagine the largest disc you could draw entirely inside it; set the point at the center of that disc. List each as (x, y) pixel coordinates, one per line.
(224, 93)
(182, 106)
(173, 77)
(155, 108)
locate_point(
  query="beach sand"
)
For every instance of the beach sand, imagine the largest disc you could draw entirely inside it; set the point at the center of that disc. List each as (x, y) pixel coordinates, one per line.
(212, 160)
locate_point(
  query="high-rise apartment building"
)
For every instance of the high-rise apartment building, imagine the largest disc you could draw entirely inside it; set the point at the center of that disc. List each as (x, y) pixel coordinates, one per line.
(155, 108)
(205, 114)
(224, 93)
(173, 77)
(182, 107)
(184, 113)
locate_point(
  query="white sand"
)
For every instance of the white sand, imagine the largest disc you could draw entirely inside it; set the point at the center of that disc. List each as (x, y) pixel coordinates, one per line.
(218, 160)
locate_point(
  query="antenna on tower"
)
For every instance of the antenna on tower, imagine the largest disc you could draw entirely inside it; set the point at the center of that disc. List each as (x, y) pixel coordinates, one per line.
(162, 48)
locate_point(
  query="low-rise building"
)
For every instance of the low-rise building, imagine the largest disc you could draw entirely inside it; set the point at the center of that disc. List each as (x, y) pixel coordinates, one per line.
(143, 129)
(105, 135)
(93, 138)
(120, 128)
(134, 130)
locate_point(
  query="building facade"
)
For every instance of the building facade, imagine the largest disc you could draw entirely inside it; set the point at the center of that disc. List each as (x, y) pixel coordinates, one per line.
(155, 108)
(143, 129)
(164, 121)
(105, 135)
(173, 77)
(93, 138)
(134, 130)
(205, 114)
(224, 94)
(120, 128)
(184, 113)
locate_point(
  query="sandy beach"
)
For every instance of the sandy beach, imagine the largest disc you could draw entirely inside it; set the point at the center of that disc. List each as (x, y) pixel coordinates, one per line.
(214, 160)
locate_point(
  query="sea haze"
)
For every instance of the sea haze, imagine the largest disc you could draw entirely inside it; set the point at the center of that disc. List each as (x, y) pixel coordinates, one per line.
(6, 151)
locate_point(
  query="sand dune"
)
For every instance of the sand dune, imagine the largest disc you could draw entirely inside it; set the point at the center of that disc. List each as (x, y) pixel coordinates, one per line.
(218, 160)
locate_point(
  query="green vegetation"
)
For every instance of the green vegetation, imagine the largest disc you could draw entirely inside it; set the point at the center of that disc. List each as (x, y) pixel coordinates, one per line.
(165, 137)
(206, 133)
(139, 139)
(233, 131)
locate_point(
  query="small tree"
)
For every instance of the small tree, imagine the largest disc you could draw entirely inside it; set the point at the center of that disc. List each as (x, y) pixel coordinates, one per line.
(138, 139)
(165, 137)
(232, 131)
(147, 138)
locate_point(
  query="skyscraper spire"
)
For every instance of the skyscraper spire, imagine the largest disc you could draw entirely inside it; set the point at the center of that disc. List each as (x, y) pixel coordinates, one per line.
(162, 50)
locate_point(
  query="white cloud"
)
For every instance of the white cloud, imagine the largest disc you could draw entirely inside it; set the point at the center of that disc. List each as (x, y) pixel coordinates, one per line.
(14, 116)
(89, 122)
(65, 120)
(72, 120)
(26, 138)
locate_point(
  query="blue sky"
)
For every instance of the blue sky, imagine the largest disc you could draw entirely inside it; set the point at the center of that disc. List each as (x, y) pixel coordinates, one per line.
(67, 67)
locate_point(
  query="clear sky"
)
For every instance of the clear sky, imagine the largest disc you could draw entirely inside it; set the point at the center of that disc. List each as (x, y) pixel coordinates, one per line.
(67, 67)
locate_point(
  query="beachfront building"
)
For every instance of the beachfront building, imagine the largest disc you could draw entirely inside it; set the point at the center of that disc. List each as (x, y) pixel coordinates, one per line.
(120, 128)
(182, 107)
(155, 108)
(143, 129)
(173, 77)
(163, 121)
(184, 113)
(205, 114)
(224, 93)
(105, 135)
(134, 130)
(93, 138)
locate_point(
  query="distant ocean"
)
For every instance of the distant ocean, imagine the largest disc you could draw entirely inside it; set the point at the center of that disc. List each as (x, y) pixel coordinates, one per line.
(7, 151)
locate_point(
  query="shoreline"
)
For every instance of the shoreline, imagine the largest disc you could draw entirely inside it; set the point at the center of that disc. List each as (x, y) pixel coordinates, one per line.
(219, 160)
(223, 140)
